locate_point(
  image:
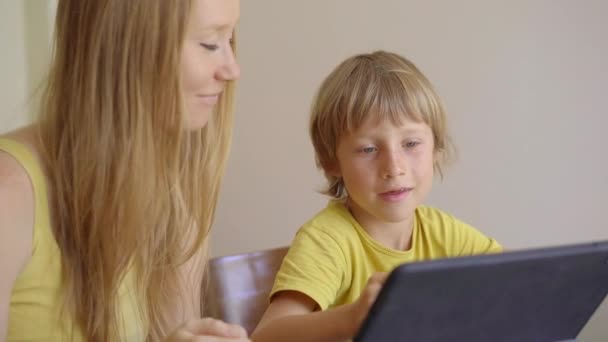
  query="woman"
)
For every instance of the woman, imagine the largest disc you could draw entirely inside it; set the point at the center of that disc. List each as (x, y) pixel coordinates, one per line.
(106, 201)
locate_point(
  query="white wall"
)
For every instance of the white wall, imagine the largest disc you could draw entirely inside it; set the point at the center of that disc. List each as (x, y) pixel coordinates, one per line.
(524, 83)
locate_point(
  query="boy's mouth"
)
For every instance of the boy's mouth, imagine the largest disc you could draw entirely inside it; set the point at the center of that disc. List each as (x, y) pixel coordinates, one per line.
(397, 190)
(395, 194)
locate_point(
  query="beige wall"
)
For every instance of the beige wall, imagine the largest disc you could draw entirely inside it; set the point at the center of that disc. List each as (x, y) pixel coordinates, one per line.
(25, 32)
(13, 86)
(524, 83)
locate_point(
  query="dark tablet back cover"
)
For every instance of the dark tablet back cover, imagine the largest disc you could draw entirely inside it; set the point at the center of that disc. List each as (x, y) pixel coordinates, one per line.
(540, 295)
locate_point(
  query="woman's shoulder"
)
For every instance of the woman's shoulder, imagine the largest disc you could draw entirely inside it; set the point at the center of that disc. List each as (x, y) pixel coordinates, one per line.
(15, 181)
(16, 199)
(27, 136)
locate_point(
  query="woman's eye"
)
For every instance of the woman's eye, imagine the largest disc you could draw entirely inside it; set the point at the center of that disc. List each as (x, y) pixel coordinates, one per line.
(210, 47)
(411, 144)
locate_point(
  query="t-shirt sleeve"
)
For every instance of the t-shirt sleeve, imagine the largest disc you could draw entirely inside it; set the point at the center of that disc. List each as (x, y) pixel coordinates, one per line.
(469, 241)
(314, 266)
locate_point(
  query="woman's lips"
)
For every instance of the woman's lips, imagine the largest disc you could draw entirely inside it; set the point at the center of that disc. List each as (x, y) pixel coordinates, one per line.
(209, 99)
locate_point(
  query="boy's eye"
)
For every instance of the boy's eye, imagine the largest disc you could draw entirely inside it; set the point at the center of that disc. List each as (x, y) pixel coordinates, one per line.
(368, 150)
(411, 144)
(210, 47)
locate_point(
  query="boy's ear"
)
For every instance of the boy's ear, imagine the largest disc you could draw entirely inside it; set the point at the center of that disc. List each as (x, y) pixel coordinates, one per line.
(437, 155)
(333, 170)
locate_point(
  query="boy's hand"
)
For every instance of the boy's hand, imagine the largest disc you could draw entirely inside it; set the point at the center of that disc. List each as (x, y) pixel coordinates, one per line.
(208, 330)
(360, 308)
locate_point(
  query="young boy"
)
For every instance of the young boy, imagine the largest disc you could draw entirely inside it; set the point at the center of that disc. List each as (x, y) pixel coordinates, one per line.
(379, 133)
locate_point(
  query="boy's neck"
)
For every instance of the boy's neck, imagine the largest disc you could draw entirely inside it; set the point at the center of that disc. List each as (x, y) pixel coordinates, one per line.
(393, 235)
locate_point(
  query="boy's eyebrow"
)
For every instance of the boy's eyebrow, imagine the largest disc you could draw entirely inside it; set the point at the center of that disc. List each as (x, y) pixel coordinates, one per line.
(373, 135)
(411, 130)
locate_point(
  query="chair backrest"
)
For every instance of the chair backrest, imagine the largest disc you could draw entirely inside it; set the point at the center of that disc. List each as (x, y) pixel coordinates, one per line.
(237, 286)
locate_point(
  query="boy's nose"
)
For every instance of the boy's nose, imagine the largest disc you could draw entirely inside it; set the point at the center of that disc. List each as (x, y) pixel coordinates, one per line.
(393, 166)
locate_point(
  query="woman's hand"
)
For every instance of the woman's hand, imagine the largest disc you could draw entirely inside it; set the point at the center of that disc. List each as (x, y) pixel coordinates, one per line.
(208, 330)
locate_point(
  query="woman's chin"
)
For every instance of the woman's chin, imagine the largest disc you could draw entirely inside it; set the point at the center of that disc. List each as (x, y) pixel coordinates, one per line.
(197, 121)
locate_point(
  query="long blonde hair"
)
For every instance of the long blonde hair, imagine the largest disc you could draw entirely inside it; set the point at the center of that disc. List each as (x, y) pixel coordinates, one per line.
(375, 86)
(130, 189)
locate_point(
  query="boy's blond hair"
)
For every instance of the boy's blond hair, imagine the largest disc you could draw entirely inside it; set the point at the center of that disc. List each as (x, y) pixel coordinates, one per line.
(379, 86)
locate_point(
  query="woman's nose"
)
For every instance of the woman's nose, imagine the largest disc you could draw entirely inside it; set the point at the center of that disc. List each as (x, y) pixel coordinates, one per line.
(230, 69)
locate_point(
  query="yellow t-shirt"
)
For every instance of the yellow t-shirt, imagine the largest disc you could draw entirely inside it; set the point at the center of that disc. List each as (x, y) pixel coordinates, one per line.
(36, 303)
(332, 256)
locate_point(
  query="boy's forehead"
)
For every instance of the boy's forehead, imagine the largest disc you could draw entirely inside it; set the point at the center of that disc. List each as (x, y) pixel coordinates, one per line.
(379, 128)
(403, 122)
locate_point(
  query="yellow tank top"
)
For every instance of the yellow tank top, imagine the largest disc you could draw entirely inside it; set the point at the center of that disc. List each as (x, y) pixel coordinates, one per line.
(35, 312)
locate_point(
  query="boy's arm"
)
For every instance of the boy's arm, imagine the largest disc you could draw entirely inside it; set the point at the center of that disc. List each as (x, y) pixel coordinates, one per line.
(291, 316)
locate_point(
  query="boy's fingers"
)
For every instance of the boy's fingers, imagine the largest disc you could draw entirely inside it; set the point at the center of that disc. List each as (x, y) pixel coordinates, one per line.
(375, 289)
(374, 285)
(379, 277)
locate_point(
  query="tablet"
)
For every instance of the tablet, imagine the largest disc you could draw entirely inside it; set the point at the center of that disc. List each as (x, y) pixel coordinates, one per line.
(538, 295)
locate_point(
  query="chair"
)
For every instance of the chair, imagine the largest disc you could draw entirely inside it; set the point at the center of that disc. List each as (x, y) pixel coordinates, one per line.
(237, 286)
